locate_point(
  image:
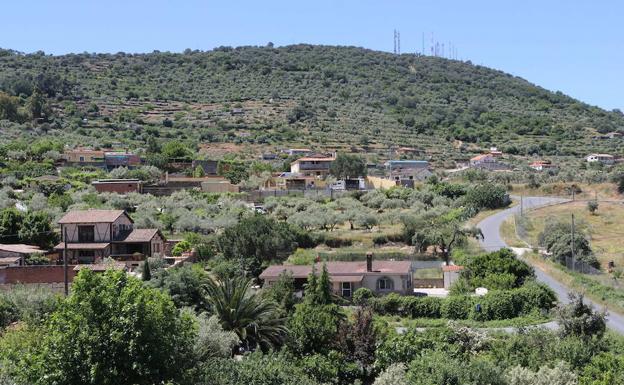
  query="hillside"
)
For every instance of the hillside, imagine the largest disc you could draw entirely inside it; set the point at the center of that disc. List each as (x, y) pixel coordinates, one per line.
(320, 96)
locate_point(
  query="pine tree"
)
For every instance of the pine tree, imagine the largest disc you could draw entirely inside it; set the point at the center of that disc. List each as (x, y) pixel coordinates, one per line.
(147, 273)
(323, 288)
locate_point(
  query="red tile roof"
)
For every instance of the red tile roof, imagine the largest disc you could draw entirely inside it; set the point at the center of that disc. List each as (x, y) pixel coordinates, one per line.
(91, 216)
(140, 236)
(340, 269)
(452, 268)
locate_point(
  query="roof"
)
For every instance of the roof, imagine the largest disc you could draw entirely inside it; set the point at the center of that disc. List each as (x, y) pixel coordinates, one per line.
(116, 181)
(140, 236)
(449, 268)
(92, 216)
(20, 248)
(9, 260)
(312, 159)
(347, 278)
(85, 151)
(481, 156)
(83, 246)
(601, 155)
(336, 269)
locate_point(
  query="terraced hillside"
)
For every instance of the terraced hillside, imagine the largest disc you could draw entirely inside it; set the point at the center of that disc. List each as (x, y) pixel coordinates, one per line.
(320, 96)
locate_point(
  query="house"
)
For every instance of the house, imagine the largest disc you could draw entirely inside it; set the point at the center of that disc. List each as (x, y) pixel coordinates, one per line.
(482, 159)
(541, 165)
(495, 152)
(381, 277)
(614, 135)
(602, 158)
(297, 151)
(89, 236)
(451, 274)
(114, 159)
(210, 167)
(84, 157)
(15, 254)
(312, 166)
(408, 170)
(120, 186)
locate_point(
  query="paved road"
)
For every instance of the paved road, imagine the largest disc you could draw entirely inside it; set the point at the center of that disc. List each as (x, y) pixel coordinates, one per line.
(493, 241)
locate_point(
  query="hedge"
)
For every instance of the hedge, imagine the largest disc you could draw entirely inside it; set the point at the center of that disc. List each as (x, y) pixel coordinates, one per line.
(496, 305)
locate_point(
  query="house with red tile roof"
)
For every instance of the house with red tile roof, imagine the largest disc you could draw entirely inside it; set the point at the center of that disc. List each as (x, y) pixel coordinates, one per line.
(381, 277)
(90, 236)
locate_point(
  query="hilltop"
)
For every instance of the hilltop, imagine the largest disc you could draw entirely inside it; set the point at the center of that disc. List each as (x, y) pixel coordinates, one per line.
(328, 97)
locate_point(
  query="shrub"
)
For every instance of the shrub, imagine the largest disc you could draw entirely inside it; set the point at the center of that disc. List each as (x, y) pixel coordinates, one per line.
(421, 307)
(534, 296)
(456, 307)
(496, 305)
(380, 239)
(388, 304)
(362, 295)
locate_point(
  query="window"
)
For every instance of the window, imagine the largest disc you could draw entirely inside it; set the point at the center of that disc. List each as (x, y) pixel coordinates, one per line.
(346, 289)
(82, 158)
(385, 283)
(86, 234)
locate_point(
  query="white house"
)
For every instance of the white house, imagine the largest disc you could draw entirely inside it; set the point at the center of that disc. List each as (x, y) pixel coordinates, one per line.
(602, 158)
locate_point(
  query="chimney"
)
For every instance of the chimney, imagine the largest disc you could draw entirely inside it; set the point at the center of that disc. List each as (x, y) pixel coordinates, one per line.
(369, 261)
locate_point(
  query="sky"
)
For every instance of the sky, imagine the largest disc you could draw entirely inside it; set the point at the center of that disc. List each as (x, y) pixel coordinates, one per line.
(573, 46)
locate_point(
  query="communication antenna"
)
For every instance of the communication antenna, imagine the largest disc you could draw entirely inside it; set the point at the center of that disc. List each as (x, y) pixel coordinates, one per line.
(395, 42)
(398, 42)
(423, 44)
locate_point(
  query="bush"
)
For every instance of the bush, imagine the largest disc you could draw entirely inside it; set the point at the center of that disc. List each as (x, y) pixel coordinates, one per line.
(389, 304)
(495, 305)
(421, 307)
(362, 295)
(534, 296)
(380, 239)
(457, 307)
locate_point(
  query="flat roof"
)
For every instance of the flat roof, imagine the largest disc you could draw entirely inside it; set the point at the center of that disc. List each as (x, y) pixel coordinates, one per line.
(340, 269)
(21, 248)
(83, 246)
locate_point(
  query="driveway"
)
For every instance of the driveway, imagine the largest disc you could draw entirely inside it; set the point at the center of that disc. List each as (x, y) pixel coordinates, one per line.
(493, 241)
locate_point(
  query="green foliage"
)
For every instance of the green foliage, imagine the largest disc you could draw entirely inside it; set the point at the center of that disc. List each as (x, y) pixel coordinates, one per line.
(212, 341)
(181, 247)
(557, 238)
(604, 369)
(255, 320)
(348, 166)
(258, 239)
(457, 307)
(496, 270)
(110, 330)
(313, 328)
(579, 319)
(487, 196)
(184, 284)
(146, 272)
(592, 206)
(362, 295)
(282, 291)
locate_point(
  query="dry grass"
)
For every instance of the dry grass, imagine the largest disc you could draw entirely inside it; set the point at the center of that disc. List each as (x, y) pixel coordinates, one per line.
(606, 227)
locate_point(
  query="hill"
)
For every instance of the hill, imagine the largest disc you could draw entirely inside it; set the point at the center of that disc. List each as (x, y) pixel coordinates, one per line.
(320, 96)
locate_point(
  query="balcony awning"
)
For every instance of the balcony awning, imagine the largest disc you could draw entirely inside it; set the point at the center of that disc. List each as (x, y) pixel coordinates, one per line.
(82, 246)
(346, 278)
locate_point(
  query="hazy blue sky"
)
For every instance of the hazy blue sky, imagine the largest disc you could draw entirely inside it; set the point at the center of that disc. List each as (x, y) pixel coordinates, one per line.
(573, 46)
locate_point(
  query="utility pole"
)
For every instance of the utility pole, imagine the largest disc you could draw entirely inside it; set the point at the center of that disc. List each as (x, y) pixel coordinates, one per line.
(521, 205)
(573, 257)
(65, 278)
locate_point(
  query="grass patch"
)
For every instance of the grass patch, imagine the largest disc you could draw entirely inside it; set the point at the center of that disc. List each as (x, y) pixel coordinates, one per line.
(530, 320)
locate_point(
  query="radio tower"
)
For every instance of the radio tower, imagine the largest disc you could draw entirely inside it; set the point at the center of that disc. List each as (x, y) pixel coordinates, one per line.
(395, 41)
(398, 42)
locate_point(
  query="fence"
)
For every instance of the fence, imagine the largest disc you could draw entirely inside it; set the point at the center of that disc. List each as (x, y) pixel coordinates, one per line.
(522, 226)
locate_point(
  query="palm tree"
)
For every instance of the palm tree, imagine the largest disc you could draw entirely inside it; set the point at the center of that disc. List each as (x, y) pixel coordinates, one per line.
(255, 319)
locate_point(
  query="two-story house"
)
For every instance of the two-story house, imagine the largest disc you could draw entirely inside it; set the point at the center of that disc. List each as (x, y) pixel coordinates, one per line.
(312, 166)
(89, 236)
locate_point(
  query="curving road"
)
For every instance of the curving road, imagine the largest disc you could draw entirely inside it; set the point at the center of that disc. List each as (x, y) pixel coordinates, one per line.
(493, 241)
